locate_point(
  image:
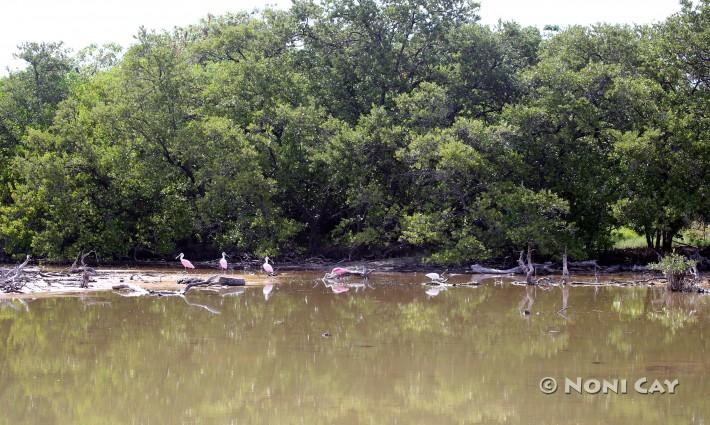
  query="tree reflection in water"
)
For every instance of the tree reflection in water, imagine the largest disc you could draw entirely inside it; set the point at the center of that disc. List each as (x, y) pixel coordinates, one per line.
(525, 305)
(393, 354)
(564, 288)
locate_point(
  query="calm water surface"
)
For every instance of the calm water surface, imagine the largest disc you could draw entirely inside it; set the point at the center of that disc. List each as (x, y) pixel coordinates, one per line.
(388, 353)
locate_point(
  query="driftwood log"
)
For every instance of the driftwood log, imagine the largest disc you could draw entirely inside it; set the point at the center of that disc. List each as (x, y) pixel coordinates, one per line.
(539, 268)
(529, 268)
(589, 266)
(477, 268)
(212, 280)
(347, 271)
(131, 289)
(86, 271)
(565, 269)
(10, 280)
(82, 268)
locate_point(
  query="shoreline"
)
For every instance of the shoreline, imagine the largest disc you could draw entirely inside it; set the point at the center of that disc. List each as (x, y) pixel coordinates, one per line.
(395, 264)
(53, 281)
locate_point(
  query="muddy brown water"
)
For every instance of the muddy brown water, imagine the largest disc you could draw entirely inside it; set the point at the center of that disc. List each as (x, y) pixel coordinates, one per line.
(388, 352)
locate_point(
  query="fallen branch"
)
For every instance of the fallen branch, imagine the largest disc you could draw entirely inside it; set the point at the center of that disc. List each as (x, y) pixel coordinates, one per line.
(339, 272)
(9, 279)
(565, 270)
(477, 268)
(551, 268)
(133, 290)
(75, 268)
(540, 268)
(528, 268)
(212, 280)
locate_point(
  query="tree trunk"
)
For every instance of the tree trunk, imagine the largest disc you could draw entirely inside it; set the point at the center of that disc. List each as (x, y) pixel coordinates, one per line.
(668, 241)
(565, 270)
(676, 281)
(531, 268)
(314, 237)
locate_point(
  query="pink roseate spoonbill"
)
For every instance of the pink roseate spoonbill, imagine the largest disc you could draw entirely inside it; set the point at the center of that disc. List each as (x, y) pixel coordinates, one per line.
(338, 271)
(223, 262)
(185, 263)
(267, 267)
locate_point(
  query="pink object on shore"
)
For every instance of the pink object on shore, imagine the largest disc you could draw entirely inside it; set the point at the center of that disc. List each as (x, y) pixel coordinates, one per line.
(267, 267)
(185, 263)
(338, 271)
(223, 262)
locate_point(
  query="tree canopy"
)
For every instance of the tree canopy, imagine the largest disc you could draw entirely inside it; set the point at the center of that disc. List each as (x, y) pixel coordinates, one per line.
(358, 128)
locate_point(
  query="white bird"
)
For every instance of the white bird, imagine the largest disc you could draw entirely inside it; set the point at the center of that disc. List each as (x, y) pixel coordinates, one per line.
(435, 277)
(267, 267)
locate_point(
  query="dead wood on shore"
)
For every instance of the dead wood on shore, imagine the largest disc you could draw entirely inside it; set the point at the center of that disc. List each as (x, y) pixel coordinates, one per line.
(586, 267)
(12, 280)
(191, 282)
(565, 270)
(339, 272)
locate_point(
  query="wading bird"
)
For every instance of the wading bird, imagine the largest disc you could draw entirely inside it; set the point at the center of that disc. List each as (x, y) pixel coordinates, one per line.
(185, 263)
(436, 277)
(223, 262)
(267, 267)
(338, 271)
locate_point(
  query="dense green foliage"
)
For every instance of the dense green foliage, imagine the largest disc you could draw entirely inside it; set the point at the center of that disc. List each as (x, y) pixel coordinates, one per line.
(673, 264)
(676, 268)
(356, 128)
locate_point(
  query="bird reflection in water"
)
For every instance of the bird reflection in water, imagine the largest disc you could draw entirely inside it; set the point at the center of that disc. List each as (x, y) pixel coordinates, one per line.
(339, 287)
(432, 292)
(267, 291)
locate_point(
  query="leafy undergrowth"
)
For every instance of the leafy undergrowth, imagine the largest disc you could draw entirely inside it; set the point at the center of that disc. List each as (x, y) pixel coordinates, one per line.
(697, 235)
(625, 238)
